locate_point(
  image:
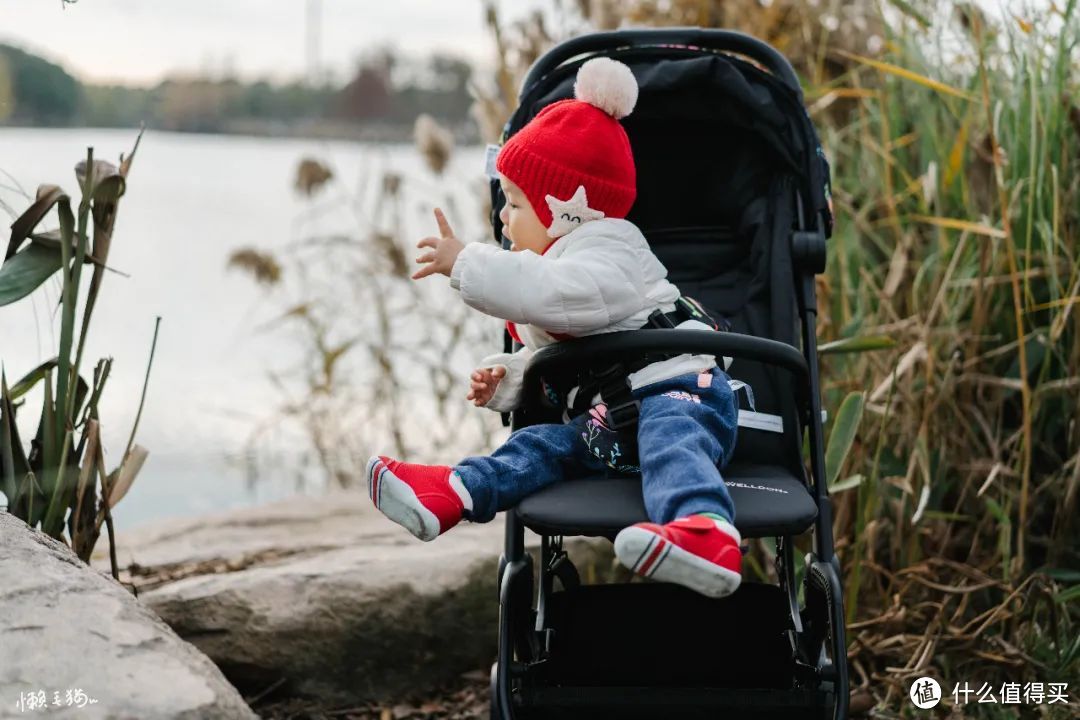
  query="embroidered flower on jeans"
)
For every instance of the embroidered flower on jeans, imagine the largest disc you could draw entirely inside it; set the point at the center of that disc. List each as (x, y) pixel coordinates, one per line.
(602, 442)
(680, 395)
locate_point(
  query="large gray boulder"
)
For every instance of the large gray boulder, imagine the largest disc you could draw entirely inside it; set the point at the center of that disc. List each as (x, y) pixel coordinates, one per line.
(65, 627)
(324, 598)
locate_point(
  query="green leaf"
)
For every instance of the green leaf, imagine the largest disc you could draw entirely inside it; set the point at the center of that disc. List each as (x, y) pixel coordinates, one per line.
(32, 378)
(911, 12)
(67, 317)
(1063, 574)
(26, 271)
(864, 343)
(12, 456)
(843, 435)
(30, 501)
(7, 460)
(1034, 351)
(1069, 595)
(846, 484)
(853, 326)
(943, 515)
(996, 510)
(59, 499)
(49, 457)
(51, 239)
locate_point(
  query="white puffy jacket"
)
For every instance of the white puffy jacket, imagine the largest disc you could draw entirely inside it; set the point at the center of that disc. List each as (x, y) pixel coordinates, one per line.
(600, 277)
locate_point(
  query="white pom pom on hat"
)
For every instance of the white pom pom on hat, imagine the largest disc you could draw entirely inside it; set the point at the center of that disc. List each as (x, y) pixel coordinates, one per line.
(608, 84)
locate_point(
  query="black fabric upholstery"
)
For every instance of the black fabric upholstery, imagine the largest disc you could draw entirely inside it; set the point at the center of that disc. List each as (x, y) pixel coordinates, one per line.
(769, 501)
(622, 635)
(708, 133)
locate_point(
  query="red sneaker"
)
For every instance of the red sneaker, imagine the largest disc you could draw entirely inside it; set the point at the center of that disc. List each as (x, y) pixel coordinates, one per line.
(690, 551)
(420, 498)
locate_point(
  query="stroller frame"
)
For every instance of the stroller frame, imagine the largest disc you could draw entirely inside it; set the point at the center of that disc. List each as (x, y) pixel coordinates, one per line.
(814, 629)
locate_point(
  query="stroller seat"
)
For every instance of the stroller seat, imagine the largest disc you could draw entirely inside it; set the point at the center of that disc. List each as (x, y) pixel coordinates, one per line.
(769, 501)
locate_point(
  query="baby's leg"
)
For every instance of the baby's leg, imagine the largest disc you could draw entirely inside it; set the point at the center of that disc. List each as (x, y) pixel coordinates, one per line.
(428, 500)
(531, 459)
(685, 433)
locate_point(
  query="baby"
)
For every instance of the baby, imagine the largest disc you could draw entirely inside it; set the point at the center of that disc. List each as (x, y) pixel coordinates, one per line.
(576, 267)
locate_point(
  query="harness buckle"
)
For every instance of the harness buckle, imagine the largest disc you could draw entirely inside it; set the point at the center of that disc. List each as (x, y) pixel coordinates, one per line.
(622, 408)
(623, 415)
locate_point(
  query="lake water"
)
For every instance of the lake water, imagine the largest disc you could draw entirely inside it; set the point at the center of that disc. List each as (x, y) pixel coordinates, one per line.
(191, 201)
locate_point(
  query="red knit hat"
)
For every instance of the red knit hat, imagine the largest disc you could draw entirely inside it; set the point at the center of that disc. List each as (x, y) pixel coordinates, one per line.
(578, 143)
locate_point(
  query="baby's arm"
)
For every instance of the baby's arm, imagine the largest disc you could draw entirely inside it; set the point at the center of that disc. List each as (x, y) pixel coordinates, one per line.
(507, 395)
(585, 292)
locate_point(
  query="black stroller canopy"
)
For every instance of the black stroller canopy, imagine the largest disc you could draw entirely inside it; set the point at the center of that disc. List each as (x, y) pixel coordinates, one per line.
(709, 131)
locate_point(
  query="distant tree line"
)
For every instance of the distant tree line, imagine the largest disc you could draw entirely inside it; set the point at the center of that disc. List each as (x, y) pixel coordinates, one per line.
(384, 95)
(35, 90)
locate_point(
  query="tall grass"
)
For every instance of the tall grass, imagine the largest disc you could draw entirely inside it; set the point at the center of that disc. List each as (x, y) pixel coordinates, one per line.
(955, 143)
(958, 200)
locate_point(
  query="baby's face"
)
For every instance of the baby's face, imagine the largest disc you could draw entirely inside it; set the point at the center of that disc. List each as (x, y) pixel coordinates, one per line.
(519, 220)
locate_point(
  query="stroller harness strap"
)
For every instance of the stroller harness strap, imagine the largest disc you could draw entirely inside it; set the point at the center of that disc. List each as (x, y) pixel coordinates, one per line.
(685, 309)
(612, 382)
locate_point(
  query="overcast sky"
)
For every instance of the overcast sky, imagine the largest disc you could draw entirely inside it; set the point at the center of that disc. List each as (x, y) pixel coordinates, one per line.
(140, 41)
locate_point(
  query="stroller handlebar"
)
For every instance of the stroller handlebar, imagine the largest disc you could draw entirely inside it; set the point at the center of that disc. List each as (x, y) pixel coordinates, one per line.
(572, 355)
(710, 38)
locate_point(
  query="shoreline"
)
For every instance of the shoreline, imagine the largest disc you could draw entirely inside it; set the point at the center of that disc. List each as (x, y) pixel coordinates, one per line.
(465, 134)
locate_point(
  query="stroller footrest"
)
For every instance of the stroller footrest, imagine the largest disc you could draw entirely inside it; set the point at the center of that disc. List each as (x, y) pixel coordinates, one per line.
(652, 702)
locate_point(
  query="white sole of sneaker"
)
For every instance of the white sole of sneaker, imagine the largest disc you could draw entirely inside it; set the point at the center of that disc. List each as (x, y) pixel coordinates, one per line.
(397, 501)
(651, 556)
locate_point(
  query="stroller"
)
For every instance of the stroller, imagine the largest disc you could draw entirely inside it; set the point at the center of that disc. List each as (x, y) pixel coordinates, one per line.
(733, 197)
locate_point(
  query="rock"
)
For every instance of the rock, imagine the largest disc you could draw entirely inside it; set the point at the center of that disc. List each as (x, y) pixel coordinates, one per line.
(324, 597)
(65, 627)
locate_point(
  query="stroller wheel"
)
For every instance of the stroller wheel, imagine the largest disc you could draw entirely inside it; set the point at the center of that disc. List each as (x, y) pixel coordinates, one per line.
(496, 714)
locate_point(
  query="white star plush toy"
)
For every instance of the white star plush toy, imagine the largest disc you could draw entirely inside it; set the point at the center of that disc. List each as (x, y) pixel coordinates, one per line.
(569, 214)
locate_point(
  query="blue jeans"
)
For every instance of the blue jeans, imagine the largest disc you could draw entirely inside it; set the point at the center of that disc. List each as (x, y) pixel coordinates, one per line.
(686, 433)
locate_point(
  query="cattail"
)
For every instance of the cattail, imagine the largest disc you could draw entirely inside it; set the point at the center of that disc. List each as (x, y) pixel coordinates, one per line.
(603, 15)
(434, 142)
(311, 175)
(385, 242)
(262, 266)
(489, 113)
(391, 184)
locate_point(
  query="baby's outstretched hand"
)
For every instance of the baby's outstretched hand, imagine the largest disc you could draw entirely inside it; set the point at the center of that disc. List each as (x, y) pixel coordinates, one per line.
(484, 382)
(444, 250)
